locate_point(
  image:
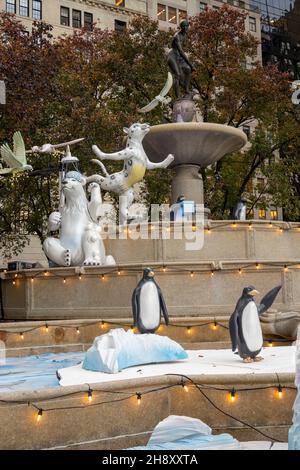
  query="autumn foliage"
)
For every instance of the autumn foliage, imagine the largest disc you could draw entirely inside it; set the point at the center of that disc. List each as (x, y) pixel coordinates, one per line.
(91, 84)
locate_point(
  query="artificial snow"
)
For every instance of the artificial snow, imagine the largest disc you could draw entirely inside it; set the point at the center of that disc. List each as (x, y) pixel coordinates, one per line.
(207, 362)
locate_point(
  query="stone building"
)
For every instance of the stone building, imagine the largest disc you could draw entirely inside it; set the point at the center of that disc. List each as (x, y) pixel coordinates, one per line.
(65, 15)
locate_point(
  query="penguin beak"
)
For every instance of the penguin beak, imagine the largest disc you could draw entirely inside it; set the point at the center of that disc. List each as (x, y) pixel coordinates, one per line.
(254, 292)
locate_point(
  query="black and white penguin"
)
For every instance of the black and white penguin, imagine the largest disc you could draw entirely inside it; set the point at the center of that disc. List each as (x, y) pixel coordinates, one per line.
(239, 210)
(244, 324)
(148, 304)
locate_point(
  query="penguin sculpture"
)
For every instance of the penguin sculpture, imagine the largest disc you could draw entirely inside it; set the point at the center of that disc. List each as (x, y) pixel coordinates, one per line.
(148, 304)
(239, 211)
(244, 324)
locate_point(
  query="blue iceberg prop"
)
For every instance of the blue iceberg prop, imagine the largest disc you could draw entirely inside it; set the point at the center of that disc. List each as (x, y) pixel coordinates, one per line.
(119, 349)
(185, 433)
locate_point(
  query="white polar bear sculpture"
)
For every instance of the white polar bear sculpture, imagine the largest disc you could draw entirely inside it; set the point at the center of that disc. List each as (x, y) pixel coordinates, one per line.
(136, 163)
(80, 242)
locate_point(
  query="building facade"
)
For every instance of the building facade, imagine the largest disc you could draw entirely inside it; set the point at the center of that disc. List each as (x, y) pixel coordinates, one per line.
(66, 15)
(280, 22)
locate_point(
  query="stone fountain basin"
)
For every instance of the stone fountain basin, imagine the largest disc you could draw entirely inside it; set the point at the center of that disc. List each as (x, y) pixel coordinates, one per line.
(196, 143)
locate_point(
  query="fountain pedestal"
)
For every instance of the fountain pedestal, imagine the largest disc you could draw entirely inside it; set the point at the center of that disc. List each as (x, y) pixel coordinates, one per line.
(187, 182)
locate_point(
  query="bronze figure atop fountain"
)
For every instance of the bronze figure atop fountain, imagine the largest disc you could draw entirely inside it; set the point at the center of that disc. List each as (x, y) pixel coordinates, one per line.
(179, 63)
(181, 68)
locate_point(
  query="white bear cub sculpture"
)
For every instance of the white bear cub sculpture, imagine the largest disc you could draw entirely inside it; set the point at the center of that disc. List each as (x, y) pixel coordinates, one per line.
(80, 242)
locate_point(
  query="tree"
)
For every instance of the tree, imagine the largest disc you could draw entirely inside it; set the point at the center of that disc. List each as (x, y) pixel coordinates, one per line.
(91, 84)
(234, 89)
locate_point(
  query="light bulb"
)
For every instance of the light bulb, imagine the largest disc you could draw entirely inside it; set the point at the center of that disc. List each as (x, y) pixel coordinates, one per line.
(77, 330)
(90, 395)
(39, 415)
(232, 395)
(279, 391)
(139, 398)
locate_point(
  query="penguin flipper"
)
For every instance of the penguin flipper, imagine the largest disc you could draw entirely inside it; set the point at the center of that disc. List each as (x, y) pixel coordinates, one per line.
(268, 300)
(233, 330)
(163, 306)
(134, 304)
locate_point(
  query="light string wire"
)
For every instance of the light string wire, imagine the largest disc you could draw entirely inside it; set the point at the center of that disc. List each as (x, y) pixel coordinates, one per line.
(184, 379)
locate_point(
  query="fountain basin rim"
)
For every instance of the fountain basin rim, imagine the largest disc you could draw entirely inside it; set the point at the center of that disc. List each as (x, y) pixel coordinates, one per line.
(200, 126)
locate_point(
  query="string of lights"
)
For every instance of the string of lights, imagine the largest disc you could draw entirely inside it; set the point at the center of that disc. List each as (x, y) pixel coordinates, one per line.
(185, 382)
(214, 324)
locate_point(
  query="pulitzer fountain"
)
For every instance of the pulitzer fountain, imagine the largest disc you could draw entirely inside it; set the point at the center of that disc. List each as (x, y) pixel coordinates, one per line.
(87, 288)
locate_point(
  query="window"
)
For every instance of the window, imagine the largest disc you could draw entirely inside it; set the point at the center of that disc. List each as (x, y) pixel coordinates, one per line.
(274, 214)
(120, 26)
(242, 4)
(76, 18)
(182, 14)
(88, 21)
(37, 9)
(247, 131)
(161, 12)
(252, 24)
(11, 6)
(250, 214)
(203, 6)
(65, 16)
(24, 8)
(260, 184)
(261, 214)
(249, 187)
(172, 15)
(215, 7)
(120, 3)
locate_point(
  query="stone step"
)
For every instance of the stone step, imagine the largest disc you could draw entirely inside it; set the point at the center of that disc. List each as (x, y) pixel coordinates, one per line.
(30, 338)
